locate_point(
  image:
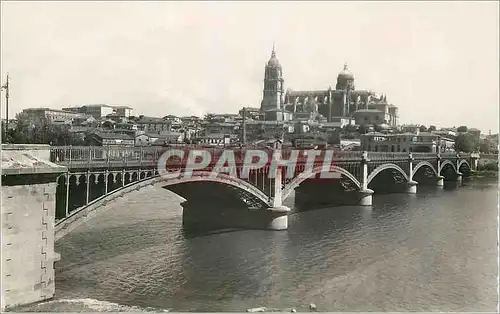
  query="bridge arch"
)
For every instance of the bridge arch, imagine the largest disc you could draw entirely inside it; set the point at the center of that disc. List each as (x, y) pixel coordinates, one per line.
(308, 174)
(447, 162)
(422, 164)
(379, 169)
(95, 207)
(463, 161)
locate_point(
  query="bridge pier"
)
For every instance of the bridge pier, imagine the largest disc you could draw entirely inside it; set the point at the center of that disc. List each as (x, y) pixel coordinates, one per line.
(366, 194)
(459, 177)
(275, 218)
(440, 181)
(412, 187)
(366, 197)
(28, 216)
(278, 213)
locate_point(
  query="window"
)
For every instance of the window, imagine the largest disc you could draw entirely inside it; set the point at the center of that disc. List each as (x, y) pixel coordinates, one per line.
(376, 117)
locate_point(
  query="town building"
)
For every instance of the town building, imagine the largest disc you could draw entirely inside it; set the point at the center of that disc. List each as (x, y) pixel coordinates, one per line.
(424, 142)
(217, 139)
(153, 125)
(123, 111)
(110, 139)
(148, 139)
(251, 113)
(97, 111)
(40, 115)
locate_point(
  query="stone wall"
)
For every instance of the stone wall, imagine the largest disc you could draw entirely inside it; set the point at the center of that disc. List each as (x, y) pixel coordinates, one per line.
(28, 243)
(28, 217)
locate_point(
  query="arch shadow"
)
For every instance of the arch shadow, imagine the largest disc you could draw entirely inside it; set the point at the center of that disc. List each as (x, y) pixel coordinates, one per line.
(83, 213)
(383, 168)
(292, 185)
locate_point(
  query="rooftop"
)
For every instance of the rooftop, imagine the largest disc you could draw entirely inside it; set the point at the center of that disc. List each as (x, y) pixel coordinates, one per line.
(114, 136)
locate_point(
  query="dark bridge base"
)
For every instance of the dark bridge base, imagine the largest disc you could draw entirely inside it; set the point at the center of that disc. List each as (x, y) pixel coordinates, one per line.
(313, 194)
(210, 217)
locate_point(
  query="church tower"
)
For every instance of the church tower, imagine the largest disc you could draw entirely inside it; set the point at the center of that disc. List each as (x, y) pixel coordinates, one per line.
(345, 84)
(273, 85)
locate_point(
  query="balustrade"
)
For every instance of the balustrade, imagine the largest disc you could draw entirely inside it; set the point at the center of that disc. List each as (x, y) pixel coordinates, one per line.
(121, 155)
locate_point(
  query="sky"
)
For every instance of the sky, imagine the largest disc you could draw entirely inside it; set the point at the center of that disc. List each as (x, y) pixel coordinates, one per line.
(437, 61)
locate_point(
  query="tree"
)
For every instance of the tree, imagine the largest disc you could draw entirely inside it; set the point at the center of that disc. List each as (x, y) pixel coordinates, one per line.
(363, 129)
(485, 146)
(423, 128)
(465, 142)
(462, 129)
(43, 132)
(349, 128)
(431, 128)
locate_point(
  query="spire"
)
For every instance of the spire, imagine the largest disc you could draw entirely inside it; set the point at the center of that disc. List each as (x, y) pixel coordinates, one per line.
(273, 61)
(345, 66)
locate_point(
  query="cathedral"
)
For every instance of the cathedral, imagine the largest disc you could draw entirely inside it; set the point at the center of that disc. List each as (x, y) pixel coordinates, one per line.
(328, 104)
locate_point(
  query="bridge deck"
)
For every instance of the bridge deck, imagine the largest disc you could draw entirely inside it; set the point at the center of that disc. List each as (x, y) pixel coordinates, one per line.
(91, 157)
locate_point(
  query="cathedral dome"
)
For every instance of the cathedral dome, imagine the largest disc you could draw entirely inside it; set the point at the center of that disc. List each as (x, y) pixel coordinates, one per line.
(346, 74)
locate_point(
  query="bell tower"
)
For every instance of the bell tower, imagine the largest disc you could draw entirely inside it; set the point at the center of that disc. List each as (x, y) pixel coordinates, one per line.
(273, 85)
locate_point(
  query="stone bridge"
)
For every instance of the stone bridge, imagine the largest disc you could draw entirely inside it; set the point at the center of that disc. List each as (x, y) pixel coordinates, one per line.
(97, 175)
(48, 191)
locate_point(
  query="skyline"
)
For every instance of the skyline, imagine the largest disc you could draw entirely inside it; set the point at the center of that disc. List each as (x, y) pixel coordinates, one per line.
(436, 61)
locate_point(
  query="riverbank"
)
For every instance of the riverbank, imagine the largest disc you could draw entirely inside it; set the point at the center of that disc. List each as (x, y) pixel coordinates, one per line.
(91, 305)
(480, 174)
(80, 306)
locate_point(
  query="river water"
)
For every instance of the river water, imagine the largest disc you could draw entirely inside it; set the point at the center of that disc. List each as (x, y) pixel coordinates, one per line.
(434, 251)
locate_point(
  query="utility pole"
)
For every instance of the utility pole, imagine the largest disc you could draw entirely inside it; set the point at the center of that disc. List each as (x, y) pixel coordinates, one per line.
(6, 88)
(244, 135)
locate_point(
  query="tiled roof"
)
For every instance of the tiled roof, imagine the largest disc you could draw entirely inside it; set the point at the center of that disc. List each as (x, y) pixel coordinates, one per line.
(110, 135)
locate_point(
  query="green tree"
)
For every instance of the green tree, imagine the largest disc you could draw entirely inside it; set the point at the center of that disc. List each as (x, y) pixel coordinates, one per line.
(349, 128)
(465, 142)
(462, 129)
(43, 132)
(485, 145)
(363, 129)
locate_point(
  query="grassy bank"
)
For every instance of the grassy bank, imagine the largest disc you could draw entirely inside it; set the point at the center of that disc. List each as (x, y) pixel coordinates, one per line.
(484, 174)
(489, 170)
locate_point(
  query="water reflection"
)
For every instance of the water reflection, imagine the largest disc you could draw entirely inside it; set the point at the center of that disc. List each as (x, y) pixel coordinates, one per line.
(435, 250)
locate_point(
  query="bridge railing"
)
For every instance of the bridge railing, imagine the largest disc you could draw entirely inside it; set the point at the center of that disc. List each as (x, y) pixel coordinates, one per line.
(387, 156)
(108, 154)
(117, 155)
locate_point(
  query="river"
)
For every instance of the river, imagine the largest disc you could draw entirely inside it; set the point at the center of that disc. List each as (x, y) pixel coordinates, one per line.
(434, 251)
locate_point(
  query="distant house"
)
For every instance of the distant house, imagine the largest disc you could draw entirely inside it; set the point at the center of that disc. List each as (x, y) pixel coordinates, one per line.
(147, 139)
(172, 137)
(217, 139)
(109, 139)
(151, 124)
